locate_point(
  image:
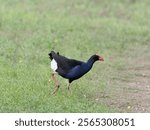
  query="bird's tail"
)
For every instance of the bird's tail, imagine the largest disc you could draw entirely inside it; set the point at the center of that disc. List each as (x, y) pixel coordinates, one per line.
(51, 53)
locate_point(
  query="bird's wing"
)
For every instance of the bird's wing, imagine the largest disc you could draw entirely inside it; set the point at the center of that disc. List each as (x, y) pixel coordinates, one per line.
(64, 63)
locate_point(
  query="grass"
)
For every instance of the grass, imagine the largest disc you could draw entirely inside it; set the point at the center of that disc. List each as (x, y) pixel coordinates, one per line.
(29, 30)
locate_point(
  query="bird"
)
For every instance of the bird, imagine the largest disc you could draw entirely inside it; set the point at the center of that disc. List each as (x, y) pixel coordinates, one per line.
(70, 69)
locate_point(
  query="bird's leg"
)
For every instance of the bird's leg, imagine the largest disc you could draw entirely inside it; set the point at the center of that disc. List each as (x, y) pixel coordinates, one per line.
(56, 89)
(56, 83)
(68, 87)
(54, 79)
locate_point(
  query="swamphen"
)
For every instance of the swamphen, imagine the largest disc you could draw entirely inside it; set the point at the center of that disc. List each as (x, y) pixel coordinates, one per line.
(69, 68)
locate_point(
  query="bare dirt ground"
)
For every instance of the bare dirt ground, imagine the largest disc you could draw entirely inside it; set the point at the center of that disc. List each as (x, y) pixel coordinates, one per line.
(129, 90)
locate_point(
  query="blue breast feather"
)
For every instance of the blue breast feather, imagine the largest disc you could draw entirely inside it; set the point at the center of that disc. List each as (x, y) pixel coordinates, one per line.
(78, 71)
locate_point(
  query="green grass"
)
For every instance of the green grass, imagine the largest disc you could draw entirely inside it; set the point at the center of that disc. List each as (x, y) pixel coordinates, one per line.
(29, 30)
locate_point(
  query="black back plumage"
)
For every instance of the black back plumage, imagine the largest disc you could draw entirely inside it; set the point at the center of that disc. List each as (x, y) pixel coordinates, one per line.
(64, 63)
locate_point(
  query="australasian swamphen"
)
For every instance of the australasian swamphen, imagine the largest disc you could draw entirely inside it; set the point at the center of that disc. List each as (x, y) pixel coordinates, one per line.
(69, 68)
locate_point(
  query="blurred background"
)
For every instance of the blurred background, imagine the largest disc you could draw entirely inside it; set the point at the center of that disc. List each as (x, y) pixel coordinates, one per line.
(119, 30)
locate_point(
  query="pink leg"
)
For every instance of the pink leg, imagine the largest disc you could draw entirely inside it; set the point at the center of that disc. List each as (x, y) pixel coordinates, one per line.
(56, 83)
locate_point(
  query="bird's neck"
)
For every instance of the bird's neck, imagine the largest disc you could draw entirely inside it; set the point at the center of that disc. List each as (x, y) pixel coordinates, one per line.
(90, 62)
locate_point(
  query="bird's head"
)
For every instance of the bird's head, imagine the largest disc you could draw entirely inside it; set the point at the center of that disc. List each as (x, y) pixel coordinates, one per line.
(98, 57)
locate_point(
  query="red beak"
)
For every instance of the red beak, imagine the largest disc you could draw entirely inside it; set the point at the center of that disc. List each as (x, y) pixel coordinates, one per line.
(101, 58)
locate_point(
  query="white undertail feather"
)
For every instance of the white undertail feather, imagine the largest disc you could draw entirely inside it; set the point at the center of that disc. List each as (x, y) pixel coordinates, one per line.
(54, 65)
